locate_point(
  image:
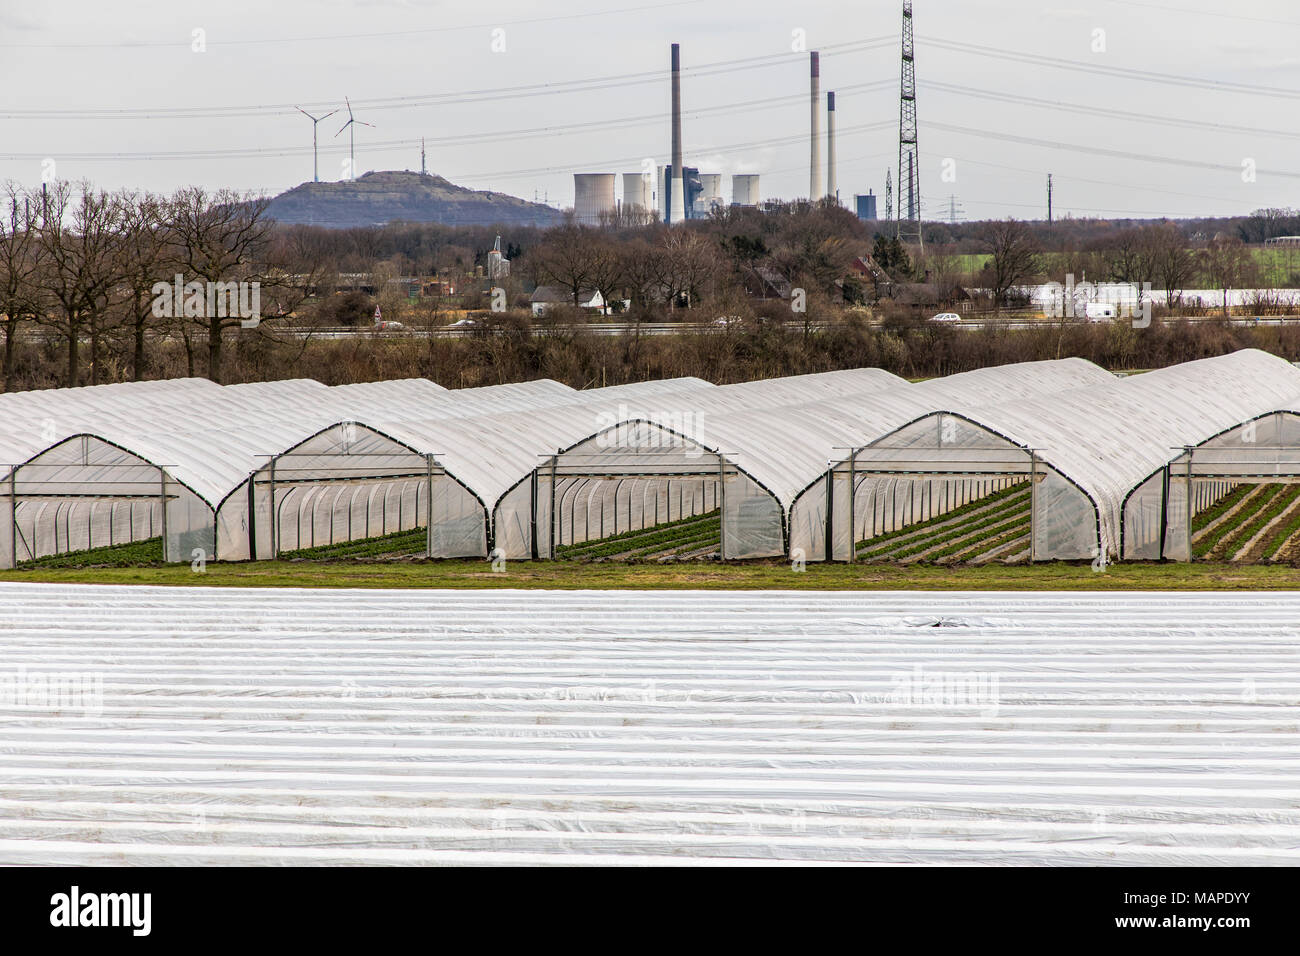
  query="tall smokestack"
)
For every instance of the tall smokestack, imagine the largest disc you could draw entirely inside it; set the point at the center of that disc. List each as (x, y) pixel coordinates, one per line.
(815, 167)
(832, 190)
(677, 188)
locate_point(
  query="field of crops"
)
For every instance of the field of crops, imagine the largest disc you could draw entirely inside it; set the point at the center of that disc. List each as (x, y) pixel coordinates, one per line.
(135, 554)
(994, 528)
(395, 545)
(1252, 524)
(695, 537)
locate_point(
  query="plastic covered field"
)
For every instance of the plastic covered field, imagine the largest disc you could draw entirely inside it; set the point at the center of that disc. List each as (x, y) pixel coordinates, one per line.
(277, 727)
(812, 467)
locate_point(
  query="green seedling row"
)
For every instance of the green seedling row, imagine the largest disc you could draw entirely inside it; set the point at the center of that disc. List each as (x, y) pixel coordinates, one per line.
(961, 530)
(1220, 507)
(1020, 521)
(413, 541)
(966, 509)
(1277, 542)
(148, 551)
(660, 537)
(1273, 502)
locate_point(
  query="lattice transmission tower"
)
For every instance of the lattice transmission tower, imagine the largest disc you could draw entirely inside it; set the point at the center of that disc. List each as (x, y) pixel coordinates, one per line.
(909, 163)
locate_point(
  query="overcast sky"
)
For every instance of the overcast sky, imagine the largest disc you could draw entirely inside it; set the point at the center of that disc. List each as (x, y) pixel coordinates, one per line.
(428, 68)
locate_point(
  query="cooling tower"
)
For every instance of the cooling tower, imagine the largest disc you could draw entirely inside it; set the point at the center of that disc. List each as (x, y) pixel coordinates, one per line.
(637, 192)
(593, 197)
(744, 189)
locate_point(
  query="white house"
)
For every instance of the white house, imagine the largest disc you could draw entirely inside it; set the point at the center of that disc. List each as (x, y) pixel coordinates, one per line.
(547, 297)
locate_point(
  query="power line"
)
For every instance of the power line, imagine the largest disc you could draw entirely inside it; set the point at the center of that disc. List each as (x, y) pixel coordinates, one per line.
(1102, 151)
(394, 145)
(797, 139)
(444, 99)
(1108, 112)
(1097, 182)
(1015, 56)
(465, 139)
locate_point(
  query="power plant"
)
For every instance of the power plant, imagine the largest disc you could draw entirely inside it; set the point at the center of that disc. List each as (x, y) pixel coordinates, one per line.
(674, 193)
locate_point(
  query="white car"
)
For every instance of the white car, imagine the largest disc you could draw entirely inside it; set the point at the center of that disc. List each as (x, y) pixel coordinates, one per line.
(463, 324)
(1100, 311)
(946, 317)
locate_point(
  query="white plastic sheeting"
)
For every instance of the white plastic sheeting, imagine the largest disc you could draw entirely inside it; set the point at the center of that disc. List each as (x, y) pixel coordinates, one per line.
(106, 445)
(1093, 445)
(93, 465)
(774, 451)
(739, 446)
(1157, 516)
(866, 421)
(283, 727)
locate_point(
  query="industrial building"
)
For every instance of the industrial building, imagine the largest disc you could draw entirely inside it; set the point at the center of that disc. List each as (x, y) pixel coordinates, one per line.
(693, 189)
(865, 206)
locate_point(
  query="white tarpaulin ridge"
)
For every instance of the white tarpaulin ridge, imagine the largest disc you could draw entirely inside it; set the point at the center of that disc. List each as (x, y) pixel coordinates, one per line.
(375, 727)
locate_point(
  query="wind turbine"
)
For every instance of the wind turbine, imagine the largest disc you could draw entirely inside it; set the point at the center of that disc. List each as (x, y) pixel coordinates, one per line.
(315, 162)
(352, 138)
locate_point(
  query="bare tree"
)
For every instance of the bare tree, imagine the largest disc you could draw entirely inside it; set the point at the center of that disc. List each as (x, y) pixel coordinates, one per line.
(20, 265)
(80, 235)
(1173, 264)
(565, 258)
(1014, 255)
(606, 272)
(1227, 264)
(693, 264)
(144, 263)
(219, 237)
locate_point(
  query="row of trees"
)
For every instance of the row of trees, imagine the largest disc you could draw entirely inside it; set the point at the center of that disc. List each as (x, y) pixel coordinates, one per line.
(802, 244)
(1158, 253)
(79, 266)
